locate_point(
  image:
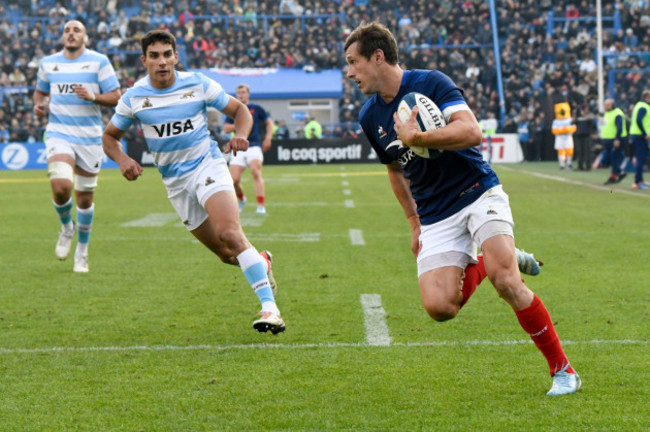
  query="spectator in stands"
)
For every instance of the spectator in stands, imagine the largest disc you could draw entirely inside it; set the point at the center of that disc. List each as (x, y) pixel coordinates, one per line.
(115, 40)
(16, 131)
(122, 24)
(313, 129)
(4, 133)
(17, 77)
(281, 130)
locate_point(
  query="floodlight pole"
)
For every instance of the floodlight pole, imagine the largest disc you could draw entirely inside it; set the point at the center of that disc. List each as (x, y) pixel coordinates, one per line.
(599, 54)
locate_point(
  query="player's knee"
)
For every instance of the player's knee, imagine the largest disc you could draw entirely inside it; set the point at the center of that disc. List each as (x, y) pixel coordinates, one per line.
(441, 311)
(231, 239)
(507, 284)
(59, 170)
(85, 184)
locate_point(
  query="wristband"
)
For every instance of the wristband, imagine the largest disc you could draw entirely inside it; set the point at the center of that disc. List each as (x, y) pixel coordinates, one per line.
(92, 96)
(414, 220)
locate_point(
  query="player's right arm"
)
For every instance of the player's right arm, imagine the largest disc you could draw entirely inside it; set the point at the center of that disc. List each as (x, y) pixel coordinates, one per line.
(130, 169)
(40, 103)
(236, 110)
(402, 191)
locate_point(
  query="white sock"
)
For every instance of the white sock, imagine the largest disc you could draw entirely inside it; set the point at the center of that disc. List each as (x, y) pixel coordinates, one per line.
(270, 307)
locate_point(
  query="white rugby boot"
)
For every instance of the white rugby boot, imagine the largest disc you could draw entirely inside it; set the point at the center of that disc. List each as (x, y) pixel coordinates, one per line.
(269, 321)
(64, 243)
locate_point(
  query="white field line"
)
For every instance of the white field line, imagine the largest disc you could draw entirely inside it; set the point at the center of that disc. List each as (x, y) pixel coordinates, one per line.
(152, 220)
(349, 203)
(260, 346)
(375, 320)
(347, 192)
(575, 182)
(356, 237)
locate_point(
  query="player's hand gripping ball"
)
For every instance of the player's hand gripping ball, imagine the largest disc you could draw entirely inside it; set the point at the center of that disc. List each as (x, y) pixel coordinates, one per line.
(429, 118)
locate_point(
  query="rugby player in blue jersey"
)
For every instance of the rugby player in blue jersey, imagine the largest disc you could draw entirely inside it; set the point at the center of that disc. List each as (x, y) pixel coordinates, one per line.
(70, 87)
(171, 108)
(453, 200)
(253, 157)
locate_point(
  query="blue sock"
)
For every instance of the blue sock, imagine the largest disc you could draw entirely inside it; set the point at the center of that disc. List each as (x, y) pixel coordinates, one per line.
(85, 221)
(252, 265)
(64, 212)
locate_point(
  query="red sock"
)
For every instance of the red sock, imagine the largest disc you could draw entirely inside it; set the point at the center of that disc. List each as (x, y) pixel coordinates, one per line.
(536, 321)
(260, 200)
(474, 275)
(240, 197)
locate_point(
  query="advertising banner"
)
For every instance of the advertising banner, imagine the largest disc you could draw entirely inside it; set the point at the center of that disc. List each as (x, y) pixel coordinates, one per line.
(17, 156)
(503, 148)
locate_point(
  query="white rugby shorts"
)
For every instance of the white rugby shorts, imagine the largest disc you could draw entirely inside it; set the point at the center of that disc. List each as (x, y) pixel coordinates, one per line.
(454, 241)
(244, 158)
(210, 177)
(87, 157)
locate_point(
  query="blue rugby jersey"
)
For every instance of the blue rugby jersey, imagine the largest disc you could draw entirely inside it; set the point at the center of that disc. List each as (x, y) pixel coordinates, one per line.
(174, 121)
(441, 186)
(72, 119)
(259, 116)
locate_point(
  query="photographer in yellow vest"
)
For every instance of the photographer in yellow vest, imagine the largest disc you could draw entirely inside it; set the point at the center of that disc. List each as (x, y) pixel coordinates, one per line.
(614, 135)
(640, 136)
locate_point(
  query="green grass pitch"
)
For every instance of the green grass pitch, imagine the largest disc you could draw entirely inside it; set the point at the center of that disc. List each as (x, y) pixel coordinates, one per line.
(158, 336)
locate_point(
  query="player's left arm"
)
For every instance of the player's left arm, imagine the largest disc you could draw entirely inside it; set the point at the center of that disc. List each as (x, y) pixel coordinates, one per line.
(462, 132)
(236, 110)
(266, 144)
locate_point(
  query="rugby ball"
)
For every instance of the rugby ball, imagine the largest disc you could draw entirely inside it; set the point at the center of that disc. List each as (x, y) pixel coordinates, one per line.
(429, 118)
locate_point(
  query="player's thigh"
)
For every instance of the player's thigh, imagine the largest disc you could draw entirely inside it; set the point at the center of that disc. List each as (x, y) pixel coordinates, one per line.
(441, 292)
(256, 168)
(189, 199)
(216, 194)
(446, 243)
(236, 172)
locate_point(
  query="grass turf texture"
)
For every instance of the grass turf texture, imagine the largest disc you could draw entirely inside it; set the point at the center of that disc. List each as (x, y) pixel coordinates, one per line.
(158, 335)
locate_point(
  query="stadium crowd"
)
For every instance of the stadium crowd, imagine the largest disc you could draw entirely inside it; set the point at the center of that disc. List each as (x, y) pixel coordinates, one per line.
(539, 63)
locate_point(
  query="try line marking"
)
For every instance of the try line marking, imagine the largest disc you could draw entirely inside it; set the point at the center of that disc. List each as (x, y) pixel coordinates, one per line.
(260, 346)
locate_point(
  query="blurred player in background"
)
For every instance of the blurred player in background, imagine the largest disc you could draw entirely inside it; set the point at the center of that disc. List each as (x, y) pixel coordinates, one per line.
(76, 81)
(453, 202)
(171, 108)
(253, 157)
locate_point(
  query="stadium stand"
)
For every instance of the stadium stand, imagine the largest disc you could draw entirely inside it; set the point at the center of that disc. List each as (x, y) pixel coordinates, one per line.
(548, 49)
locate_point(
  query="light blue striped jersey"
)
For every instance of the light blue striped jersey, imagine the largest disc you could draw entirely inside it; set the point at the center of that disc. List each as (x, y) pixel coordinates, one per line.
(174, 121)
(72, 119)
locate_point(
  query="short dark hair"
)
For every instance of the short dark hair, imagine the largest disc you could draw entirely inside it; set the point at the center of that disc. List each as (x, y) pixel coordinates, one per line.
(157, 36)
(370, 38)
